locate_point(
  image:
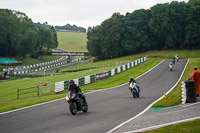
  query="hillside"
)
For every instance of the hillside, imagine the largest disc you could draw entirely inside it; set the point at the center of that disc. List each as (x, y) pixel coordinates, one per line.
(72, 41)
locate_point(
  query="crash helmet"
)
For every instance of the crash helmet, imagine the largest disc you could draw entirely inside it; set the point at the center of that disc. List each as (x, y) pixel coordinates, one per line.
(71, 82)
(131, 79)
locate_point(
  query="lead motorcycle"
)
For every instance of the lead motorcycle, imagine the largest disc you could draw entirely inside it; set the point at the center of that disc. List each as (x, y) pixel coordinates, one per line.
(76, 103)
(134, 89)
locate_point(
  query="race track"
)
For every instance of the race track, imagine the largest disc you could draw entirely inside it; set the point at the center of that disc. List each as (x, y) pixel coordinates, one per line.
(107, 108)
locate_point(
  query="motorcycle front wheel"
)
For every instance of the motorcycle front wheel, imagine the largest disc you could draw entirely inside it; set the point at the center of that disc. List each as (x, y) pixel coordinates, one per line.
(85, 108)
(134, 94)
(138, 95)
(73, 108)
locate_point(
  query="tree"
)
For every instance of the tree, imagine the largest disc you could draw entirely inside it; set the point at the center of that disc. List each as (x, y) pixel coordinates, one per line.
(137, 35)
(165, 26)
(192, 30)
(167, 23)
(19, 37)
(104, 42)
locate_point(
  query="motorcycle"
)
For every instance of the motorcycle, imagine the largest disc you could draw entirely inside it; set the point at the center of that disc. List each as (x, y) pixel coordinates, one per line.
(170, 67)
(76, 103)
(173, 60)
(134, 90)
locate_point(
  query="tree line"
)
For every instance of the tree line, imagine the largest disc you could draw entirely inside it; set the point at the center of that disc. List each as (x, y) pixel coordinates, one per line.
(174, 25)
(20, 38)
(71, 28)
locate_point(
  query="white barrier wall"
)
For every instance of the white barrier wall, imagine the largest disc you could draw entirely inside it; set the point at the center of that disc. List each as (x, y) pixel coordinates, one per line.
(87, 79)
(59, 86)
(76, 81)
(124, 67)
(128, 65)
(112, 72)
(118, 69)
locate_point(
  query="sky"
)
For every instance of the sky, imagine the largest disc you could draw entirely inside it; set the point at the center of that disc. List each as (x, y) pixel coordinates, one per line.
(82, 13)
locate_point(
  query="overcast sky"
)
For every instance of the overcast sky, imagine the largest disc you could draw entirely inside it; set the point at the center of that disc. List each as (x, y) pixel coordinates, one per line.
(83, 13)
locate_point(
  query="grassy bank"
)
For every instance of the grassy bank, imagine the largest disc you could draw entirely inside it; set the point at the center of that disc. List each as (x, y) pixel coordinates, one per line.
(72, 41)
(187, 127)
(171, 53)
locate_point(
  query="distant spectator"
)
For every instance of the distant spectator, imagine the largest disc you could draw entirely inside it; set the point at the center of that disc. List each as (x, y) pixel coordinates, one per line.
(196, 77)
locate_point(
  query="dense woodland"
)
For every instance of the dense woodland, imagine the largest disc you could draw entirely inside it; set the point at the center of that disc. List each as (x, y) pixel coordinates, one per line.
(20, 38)
(168, 26)
(67, 27)
(71, 28)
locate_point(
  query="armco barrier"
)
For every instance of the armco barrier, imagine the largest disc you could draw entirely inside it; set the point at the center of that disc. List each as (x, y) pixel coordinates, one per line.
(81, 81)
(61, 86)
(24, 69)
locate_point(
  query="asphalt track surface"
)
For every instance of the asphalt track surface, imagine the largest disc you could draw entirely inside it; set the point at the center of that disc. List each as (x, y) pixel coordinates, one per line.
(107, 108)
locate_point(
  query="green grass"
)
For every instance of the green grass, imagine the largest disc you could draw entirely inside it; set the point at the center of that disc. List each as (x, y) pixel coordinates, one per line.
(124, 76)
(186, 127)
(171, 53)
(106, 64)
(72, 41)
(8, 89)
(174, 98)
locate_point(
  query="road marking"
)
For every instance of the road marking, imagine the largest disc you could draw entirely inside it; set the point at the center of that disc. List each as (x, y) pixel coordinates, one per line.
(120, 125)
(163, 125)
(85, 93)
(191, 104)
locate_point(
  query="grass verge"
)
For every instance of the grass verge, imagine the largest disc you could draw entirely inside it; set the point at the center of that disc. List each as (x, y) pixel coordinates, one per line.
(186, 127)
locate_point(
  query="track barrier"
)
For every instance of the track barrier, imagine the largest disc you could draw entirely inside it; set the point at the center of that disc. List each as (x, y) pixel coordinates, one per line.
(63, 85)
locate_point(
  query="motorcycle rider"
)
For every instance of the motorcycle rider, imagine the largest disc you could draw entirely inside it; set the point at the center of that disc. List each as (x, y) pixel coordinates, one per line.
(173, 60)
(134, 81)
(170, 66)
(76, 88)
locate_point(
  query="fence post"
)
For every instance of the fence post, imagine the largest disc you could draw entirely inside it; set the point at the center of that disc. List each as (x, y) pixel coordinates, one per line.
(17, 93)
(38, 90)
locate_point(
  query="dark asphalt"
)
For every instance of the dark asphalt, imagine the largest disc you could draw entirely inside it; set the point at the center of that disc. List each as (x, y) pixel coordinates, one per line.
(107, 108)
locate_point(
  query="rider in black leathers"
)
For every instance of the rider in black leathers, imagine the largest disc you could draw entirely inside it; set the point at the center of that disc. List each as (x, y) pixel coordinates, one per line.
(74, 87)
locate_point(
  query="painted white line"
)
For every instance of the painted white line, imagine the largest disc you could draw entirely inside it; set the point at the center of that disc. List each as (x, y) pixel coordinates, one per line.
(30, 106)
(191, 104)
(163, 125)
(120, 125)
(85, 93)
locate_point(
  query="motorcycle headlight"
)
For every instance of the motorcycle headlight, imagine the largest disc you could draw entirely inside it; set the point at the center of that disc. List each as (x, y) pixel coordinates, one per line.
(67, 98)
